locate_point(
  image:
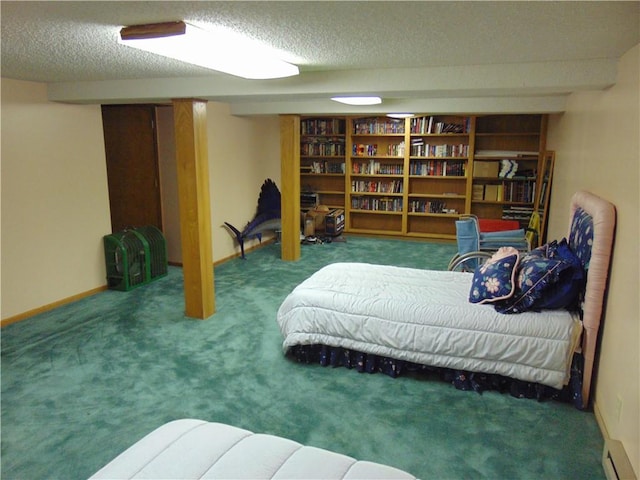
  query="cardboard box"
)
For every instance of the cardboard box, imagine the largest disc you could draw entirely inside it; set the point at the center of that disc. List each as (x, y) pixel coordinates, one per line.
(318, 214)
(486, 169)
(323, 221)
(334, 222)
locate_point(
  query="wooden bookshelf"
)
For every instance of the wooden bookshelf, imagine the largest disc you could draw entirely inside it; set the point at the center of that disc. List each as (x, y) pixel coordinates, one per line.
(413, 177)
(376, 159)
(438, 192)
(507, 160)
(322, 159)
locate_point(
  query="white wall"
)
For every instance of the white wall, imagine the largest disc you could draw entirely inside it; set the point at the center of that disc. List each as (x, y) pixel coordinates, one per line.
(597, 145)
(243, 153)
(169, 183)
(55, 200)
(55, 203)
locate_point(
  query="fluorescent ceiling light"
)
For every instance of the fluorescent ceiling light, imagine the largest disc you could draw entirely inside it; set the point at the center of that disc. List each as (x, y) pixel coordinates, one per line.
(400, 115)
(220, 50)
(358, 100)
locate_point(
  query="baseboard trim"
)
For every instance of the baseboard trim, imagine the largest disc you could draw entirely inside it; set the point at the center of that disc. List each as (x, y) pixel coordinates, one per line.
(45, 308)
(615, 462)
(600, 420)
(250, 249)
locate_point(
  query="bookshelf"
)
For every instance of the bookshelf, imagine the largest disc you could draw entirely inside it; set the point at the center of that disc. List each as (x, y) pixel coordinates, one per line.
(438, 190)
(506, 165)
(322, 160)
(544, 193)
(375, 175)
(413, 177)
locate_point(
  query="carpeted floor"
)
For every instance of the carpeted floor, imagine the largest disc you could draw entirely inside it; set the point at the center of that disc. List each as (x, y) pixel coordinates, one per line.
(83, 382)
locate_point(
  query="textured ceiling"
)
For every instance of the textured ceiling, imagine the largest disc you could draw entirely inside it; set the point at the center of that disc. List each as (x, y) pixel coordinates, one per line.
(337, 45)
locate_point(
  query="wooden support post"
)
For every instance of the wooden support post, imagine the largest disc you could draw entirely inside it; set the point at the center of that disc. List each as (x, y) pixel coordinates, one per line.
(190, 124)
(290, 180)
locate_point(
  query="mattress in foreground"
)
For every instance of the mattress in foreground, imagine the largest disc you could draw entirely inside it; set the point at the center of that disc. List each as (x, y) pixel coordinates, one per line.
(190, 449)
(424, 316)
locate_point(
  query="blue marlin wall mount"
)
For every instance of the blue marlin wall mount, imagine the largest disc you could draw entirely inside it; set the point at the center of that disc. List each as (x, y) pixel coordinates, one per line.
(267, 217)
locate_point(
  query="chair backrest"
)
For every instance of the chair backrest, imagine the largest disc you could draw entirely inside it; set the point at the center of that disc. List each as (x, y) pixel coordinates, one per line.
(467, 234)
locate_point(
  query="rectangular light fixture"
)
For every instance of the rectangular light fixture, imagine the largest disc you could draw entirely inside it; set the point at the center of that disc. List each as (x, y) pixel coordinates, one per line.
(219, 50)
(358, 100)
(400, 115)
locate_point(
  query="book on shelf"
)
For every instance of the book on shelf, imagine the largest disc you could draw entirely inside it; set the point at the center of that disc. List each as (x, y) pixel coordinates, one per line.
(420, 149)
(376, 186)
(365, 150)
(373, 167)
(521, 214)
(516, 192)
(433, 125)
(326, 167)
(323, 147)
(491, 193)
(441, 168)
(477, 192)
(322, 126)
(378, 204)
(376, 126)
(430, 206)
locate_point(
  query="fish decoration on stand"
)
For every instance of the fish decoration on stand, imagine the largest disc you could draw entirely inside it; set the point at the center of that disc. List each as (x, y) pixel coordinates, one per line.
(267, 216)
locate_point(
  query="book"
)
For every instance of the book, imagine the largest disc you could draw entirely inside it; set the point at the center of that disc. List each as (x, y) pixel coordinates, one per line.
(491, 192)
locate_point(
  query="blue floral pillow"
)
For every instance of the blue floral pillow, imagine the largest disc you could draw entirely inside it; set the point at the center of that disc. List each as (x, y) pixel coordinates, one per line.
(494, 280)
(536, 275)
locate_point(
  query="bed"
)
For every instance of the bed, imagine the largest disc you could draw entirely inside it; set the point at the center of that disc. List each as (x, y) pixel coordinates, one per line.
(195, 449)
(528, 337)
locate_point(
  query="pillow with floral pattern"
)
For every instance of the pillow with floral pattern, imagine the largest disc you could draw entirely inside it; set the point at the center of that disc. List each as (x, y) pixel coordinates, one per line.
(494, 280)
(566, 291)
(536, 275)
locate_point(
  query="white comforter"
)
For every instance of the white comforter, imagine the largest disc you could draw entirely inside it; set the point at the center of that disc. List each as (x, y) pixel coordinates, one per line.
(424, 316)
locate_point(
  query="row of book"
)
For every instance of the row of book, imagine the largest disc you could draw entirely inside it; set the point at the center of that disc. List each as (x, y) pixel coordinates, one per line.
(373, 167)
(384, 204)
(376, 126)
(323, 126)
(429, 206)
(394, 186)
(521, 214)
(518, 192)
(328, 148)
(433, 125)
(323, 167)
(421, 149)
(371, 150)
(438, 168)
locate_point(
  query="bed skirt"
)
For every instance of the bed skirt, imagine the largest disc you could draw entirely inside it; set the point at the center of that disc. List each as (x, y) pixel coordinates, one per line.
(462, 380)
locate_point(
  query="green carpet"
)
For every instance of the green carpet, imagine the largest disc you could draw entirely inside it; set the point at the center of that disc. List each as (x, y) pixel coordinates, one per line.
(83, 382)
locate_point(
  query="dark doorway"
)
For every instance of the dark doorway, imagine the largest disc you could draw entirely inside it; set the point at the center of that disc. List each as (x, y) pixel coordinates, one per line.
(132, 166)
